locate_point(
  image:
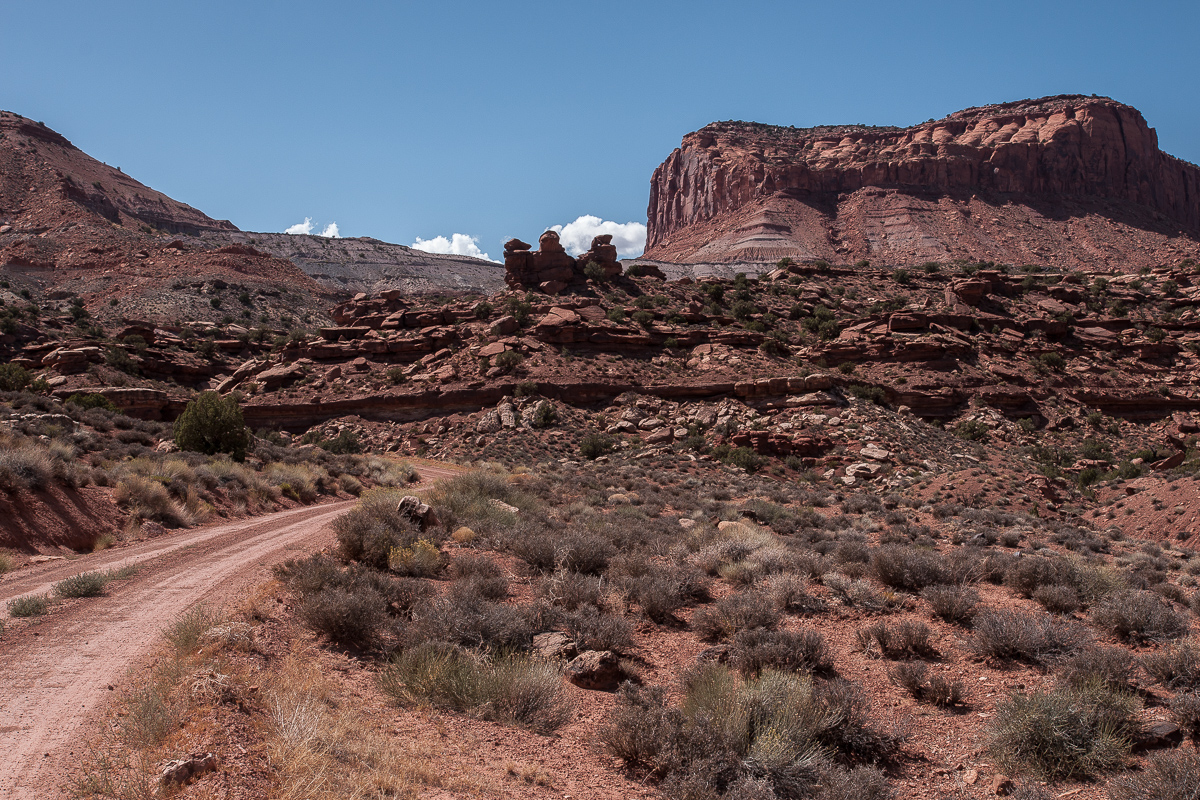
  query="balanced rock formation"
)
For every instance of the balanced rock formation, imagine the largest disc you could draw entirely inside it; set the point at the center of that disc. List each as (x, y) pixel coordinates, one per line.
(1069, 181)
(549, 268)
(603, 254)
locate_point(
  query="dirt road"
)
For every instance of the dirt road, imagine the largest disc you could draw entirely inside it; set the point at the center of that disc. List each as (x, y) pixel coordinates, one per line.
(56, 671)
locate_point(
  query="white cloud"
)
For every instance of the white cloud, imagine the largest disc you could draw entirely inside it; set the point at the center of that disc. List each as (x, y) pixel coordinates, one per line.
(306, 228)
(459, 244)
(302, 227)
(576, 237)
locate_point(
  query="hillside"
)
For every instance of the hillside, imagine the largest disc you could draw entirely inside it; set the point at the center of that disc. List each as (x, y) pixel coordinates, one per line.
(1068, 181)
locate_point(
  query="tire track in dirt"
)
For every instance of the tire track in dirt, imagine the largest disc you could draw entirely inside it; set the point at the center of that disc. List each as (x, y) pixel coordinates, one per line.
(60, 668)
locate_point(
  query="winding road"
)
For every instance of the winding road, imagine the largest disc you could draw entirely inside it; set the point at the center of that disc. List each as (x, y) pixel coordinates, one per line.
(56, 672)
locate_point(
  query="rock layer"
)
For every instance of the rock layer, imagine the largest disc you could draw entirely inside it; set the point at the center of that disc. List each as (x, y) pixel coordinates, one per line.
(1066, 180)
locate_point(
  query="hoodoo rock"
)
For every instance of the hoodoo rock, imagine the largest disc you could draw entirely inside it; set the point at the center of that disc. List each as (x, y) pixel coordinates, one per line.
(603, 253)
(549, 268)
(1069, 181)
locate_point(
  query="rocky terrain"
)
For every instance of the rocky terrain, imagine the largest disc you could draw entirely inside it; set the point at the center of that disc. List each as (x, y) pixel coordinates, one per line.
(940, 504)
(1068, 181)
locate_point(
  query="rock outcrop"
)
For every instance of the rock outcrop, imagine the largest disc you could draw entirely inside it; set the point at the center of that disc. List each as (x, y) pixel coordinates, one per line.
(550, 269)
(1070, 181)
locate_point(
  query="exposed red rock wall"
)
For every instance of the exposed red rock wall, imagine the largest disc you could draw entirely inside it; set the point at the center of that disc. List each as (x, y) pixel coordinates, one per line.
(1077, 165)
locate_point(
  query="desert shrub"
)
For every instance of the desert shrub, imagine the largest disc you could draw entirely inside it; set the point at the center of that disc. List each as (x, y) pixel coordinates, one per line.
(473, 622)
(479, 575)
(350, 484)
(729, 615)
(514, 689)
(348, 616)
(1111, 667)
(368, 532)
(1140, 617)
(213, 424)
(28, 606)
(1176, 665)
(914, 678)
(23, 464)
(575, 551)
(468, 500)
(14, 378)
(421, 559)
(1057, 599)
(773, 732)
(742, 457)
(85, 584)
(1172, 775)
(660, 591)
(1038, 638)
(570, 590)
(1026, 574)
(593, 630)
(904, 639)
(789, 593)
(1067, 732)
(863, 782)
(788, 651)
(345, 443)
(148, 499)
(952, 603)
(855, 592)
(1185, 710)
(594, 445)
(904, 567)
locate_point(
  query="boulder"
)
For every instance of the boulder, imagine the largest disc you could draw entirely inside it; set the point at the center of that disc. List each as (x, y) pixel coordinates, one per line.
(554, 646)
(182, 771)
(595, 669)
(419, 513)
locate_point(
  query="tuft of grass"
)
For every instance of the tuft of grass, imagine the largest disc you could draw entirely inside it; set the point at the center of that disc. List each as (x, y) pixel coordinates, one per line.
(185, 633)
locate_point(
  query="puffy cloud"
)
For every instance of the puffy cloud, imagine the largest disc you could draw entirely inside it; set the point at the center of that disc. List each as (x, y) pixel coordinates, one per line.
(459, 244)
(306, 228)
(302, 227)
(576, 237)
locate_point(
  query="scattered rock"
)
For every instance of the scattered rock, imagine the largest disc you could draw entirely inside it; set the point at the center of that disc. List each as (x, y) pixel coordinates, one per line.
(595, 669)
(183, 771)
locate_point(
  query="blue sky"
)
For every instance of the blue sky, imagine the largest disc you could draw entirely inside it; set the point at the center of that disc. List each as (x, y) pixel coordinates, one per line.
(421, 120)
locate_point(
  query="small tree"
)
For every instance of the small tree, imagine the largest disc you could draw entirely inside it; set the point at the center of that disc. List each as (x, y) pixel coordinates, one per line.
(212, 424)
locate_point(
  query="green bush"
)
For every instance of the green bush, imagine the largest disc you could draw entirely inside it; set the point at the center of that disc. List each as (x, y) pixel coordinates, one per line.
(14, 378)
(484, 310)
(595, 445)
(85, 584)
(31, 606)
(509, 360)
(90, 401)
(213, 424)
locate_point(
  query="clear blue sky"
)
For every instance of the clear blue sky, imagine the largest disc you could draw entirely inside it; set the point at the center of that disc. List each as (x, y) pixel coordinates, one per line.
(402, 120)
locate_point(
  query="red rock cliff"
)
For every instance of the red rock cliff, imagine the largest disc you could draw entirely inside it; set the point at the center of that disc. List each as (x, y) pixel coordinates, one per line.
(1070, 179)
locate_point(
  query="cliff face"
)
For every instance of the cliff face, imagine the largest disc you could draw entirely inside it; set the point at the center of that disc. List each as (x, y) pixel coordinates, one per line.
(1071, 180)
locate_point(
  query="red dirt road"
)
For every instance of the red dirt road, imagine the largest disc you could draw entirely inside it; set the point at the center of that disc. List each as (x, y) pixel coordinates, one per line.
(57, 669)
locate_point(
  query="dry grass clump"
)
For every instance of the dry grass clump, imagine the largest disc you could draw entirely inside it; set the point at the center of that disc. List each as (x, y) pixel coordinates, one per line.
(914, 677)
(952, 603)
(1068, 732)
(23, 463)
(774, 734)
(515, 689)
(729, 615)
(857, 592)
(788, 651)
(148, 499)
(909, 568)
(1176, 665)
(468, 500)
(1111, 667)
(1057, 598)
(1172, 775)
(1037, 638)
(903, 639)
(1185, 710)
(1140, 617)
(326, 747)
